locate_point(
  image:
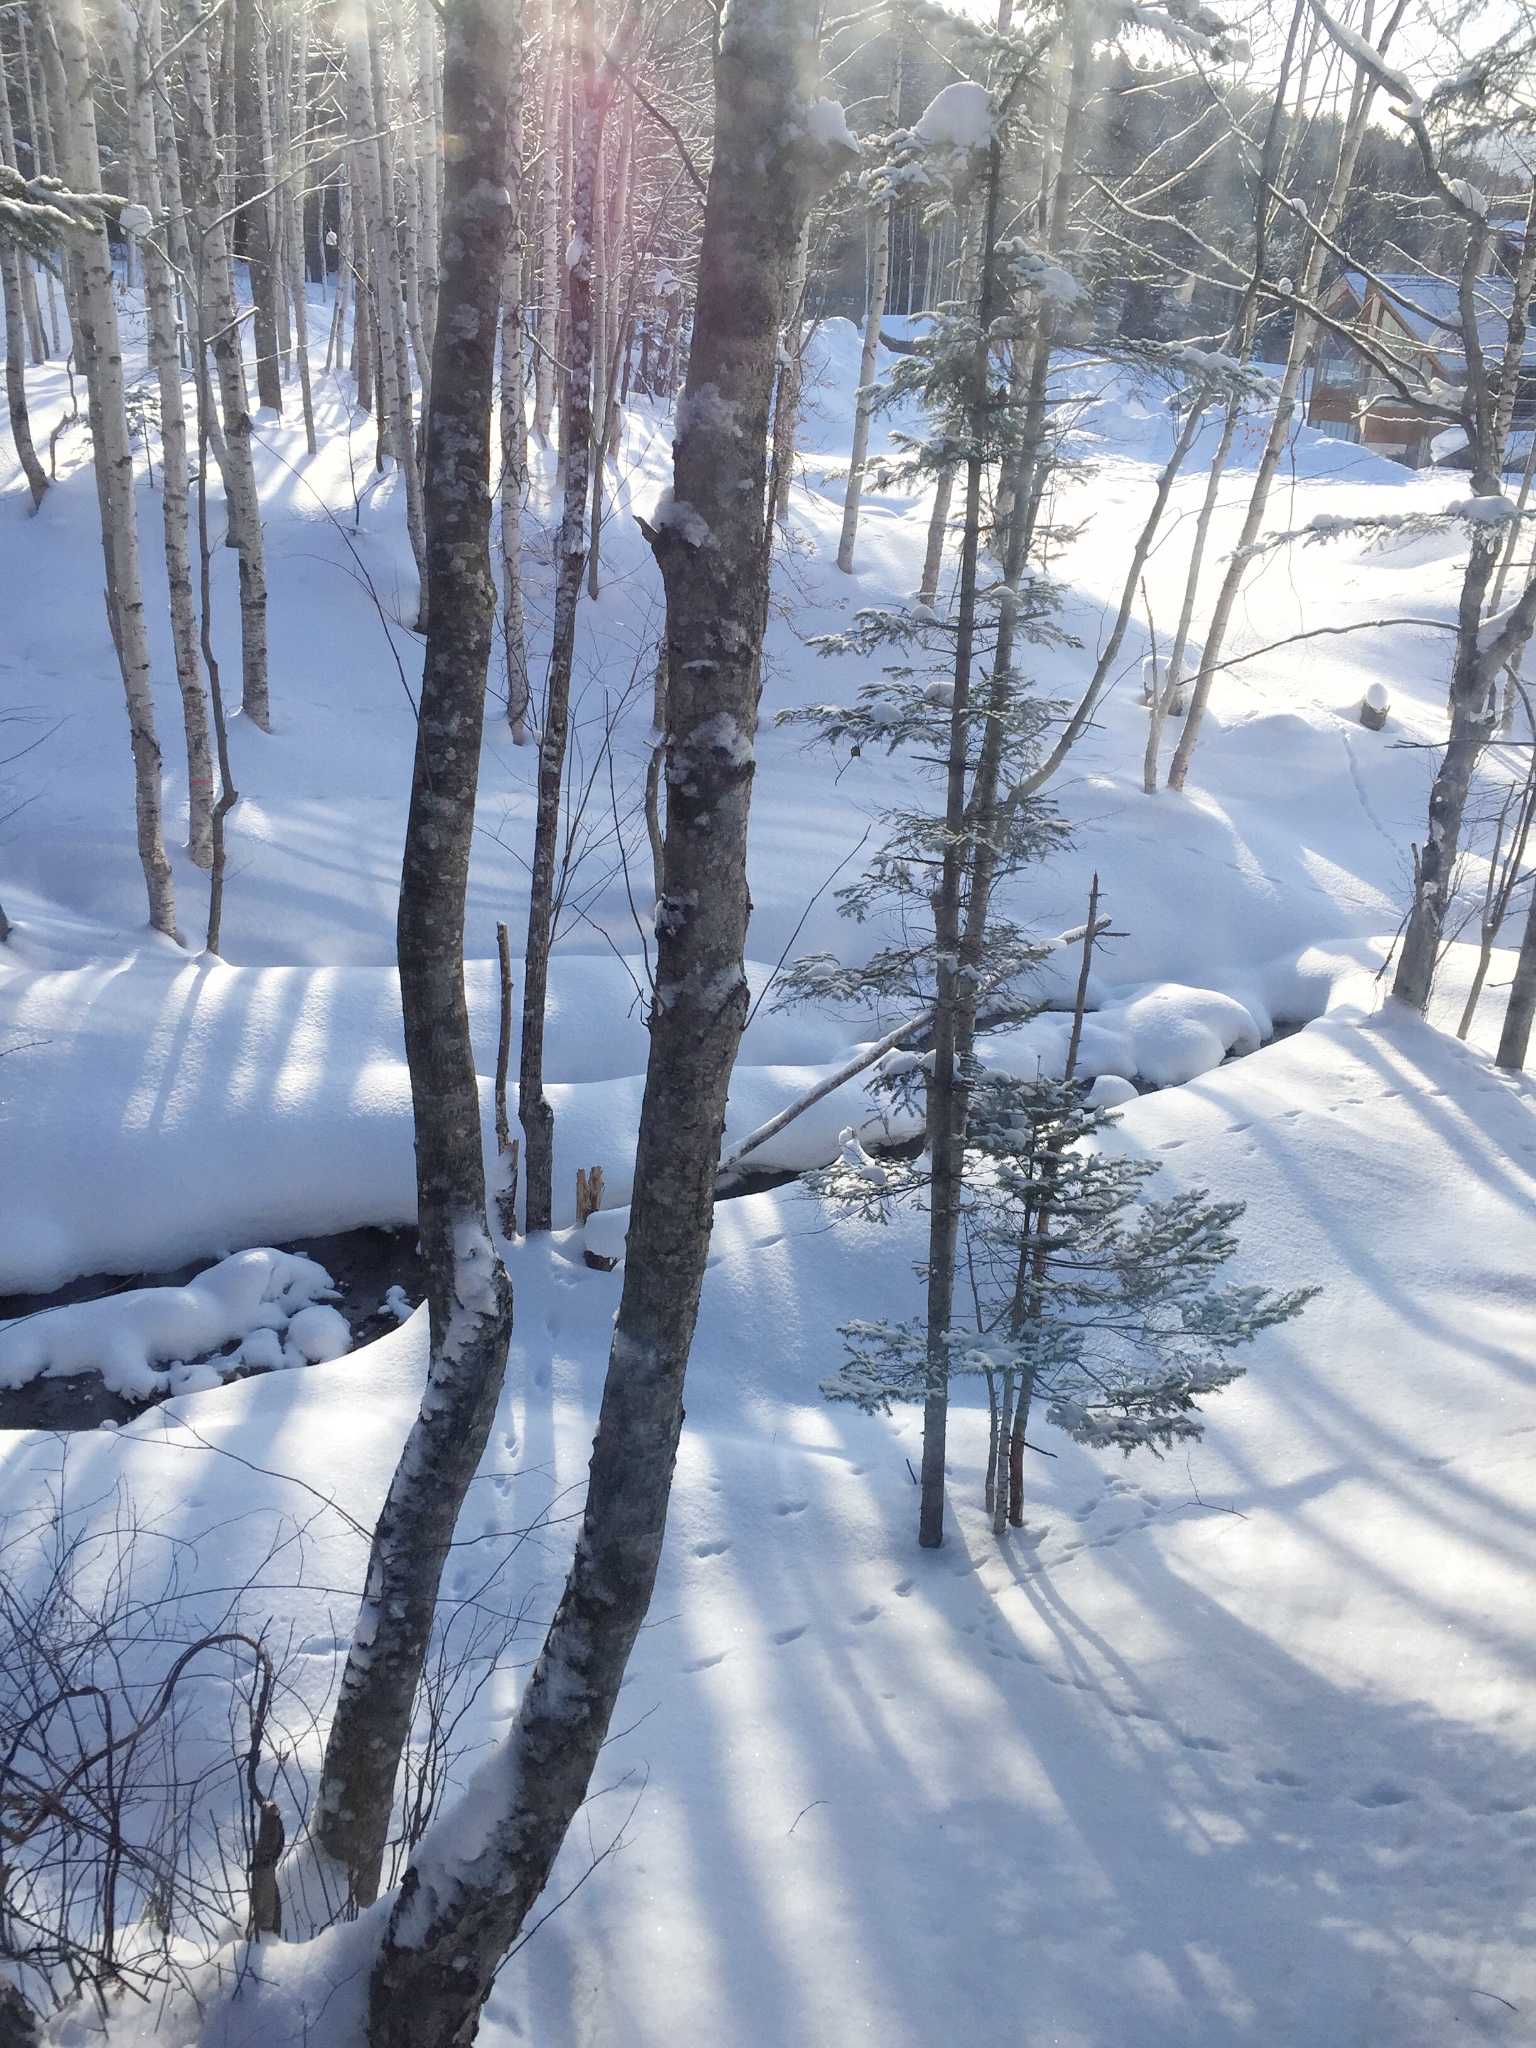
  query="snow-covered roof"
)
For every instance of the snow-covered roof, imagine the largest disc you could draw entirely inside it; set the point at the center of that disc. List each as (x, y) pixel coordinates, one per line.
(1432, 313)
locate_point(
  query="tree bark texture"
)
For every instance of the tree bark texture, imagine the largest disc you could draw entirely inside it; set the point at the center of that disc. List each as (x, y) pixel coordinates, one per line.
(220, 322)
(1515, 1037)
(96, 337)
(140, 54)
(374, 190)
(1474, 674)
(469, 1297)
(253, 181)
(948, 1096)
(514, 418)
(1302, 332)
(16, 376)
(533, 1107)
(462, 1902)
(880, 228)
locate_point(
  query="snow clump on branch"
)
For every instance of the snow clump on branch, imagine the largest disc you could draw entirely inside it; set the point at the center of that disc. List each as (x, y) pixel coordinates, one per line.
(827, 123)
(959, 116)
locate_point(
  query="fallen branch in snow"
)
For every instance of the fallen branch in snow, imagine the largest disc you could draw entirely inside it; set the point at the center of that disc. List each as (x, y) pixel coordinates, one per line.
(1214, 1506)
(869, 1054)
(1319, 632)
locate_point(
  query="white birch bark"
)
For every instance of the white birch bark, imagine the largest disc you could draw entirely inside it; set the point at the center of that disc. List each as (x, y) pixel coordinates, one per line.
(139, 57)
(457, 1914)
(879, 219)
(101, 358)
(220, 325)
(1302, 332)
(549, 231)
(514, 427)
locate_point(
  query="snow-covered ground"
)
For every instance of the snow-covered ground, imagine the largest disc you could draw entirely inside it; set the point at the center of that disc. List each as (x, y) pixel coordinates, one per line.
(1238, 1747)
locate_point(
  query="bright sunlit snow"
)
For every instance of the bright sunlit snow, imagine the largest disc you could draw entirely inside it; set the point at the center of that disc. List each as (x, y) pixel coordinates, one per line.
(1239, 1746)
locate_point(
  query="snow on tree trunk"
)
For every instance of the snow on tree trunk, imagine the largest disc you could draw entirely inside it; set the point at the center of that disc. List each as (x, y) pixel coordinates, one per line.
(480, 1868)
(470, 1300)
(100, 354)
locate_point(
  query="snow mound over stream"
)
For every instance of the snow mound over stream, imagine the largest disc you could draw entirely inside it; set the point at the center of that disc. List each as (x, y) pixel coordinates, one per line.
(268, 1302)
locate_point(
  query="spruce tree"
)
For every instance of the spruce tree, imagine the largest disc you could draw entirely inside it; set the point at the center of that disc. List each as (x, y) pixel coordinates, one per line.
(1083, 1295)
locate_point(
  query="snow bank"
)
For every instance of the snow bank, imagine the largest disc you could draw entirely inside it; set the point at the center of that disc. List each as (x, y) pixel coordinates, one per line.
(153, 1337)
(1164, 1033)
(1243, 1743)
(157, 1110)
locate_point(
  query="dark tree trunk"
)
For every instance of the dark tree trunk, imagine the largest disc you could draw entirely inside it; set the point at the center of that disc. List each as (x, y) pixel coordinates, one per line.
(469, 1298)
(455, 1919)
(954, 999)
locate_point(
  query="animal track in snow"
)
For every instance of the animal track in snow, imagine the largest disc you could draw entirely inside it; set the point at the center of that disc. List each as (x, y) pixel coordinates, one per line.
(864, 1614)
(791, 1635)
(711, 1549)
(791, 1507)
(707, 1663)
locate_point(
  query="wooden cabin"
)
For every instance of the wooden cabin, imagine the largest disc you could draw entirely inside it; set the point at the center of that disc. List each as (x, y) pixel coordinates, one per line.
(1415, 322)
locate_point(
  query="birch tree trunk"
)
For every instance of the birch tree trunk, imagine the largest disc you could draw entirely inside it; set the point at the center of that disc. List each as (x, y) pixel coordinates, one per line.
(1474, 685)
(533, 1107)
(15, 268)
(215, 286)
(96, 337)
(880, 228)
(408, 199)
(16, 376)
(514, 425)
(610, 216)
(1487, 411)
(291, 202)
(371, 158)
(1285, 407)
(549, 232)
(429, 165)
(253, 180)
(1520, 1013)
(879, 218)
(139, 57)
(40, 124)
(468, 1294)
(456, 1917)
(25, 280)
(791, 376)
